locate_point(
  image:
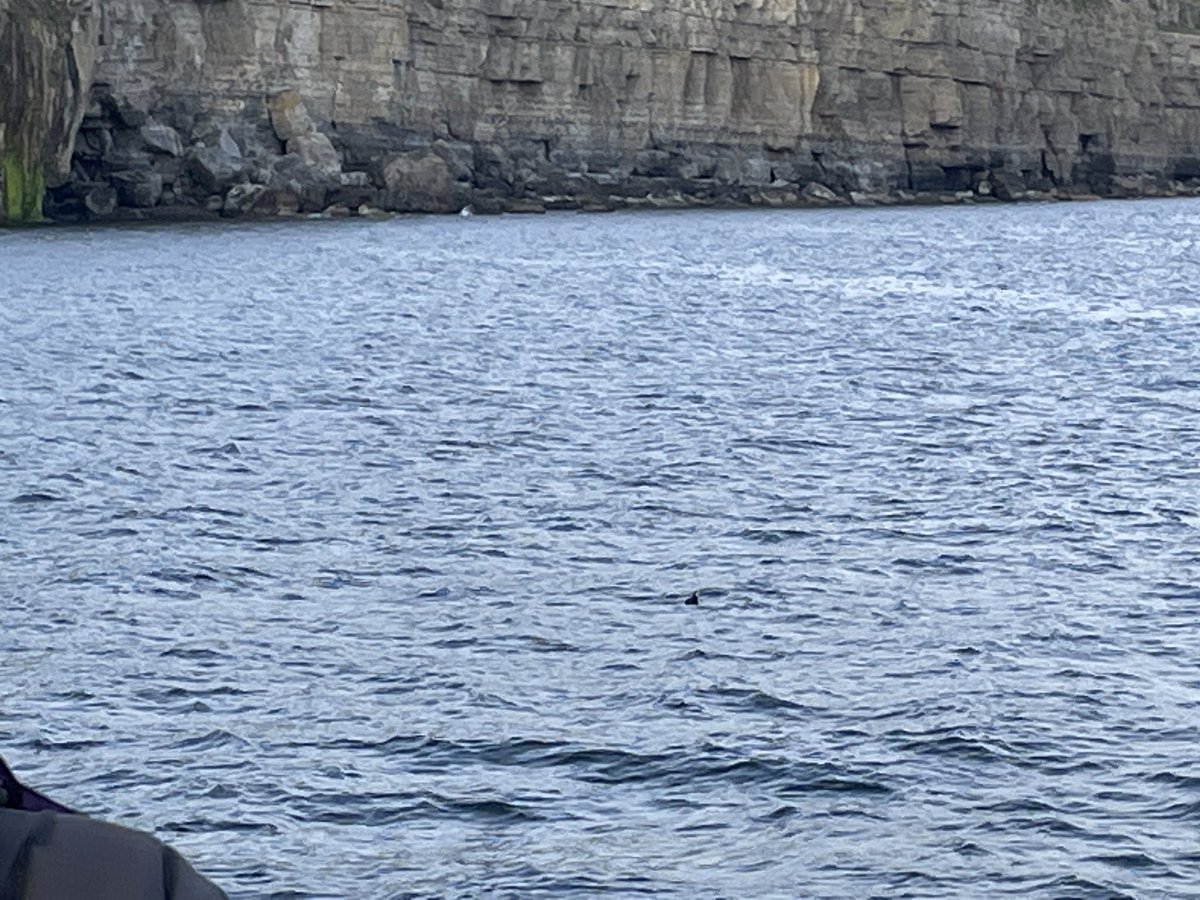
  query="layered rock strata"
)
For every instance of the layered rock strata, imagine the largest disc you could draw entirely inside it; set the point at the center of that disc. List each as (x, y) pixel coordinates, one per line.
(267, 106)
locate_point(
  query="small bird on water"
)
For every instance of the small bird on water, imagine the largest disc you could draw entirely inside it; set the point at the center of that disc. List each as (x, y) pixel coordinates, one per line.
(693, 600)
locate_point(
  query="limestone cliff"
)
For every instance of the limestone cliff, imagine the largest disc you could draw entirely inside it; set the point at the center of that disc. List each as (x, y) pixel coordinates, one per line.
(293, 105)
(46, 54)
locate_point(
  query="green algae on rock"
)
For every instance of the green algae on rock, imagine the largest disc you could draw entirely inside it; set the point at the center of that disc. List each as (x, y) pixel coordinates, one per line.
(24, 186)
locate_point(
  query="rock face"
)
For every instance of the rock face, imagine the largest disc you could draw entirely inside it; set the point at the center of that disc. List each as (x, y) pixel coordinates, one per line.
(515, 104)
(46, 56)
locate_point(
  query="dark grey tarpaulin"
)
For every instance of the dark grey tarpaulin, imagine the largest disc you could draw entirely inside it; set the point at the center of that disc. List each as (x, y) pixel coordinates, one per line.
(14, 795)
(47, 852)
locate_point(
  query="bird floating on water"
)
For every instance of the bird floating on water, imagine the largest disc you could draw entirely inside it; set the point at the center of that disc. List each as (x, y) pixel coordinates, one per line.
(693, 600)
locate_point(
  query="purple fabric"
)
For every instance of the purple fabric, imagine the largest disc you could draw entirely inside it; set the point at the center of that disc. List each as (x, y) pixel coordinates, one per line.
(17, 796)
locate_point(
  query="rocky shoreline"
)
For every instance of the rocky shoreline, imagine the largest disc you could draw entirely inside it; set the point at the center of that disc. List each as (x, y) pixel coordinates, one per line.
(180, 213)
(129, 165)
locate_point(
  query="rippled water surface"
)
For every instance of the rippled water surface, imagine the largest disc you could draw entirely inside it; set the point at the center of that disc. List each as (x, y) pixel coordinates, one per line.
(351, 557)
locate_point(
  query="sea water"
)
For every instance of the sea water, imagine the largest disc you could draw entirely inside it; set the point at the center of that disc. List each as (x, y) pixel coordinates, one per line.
(350, 557)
